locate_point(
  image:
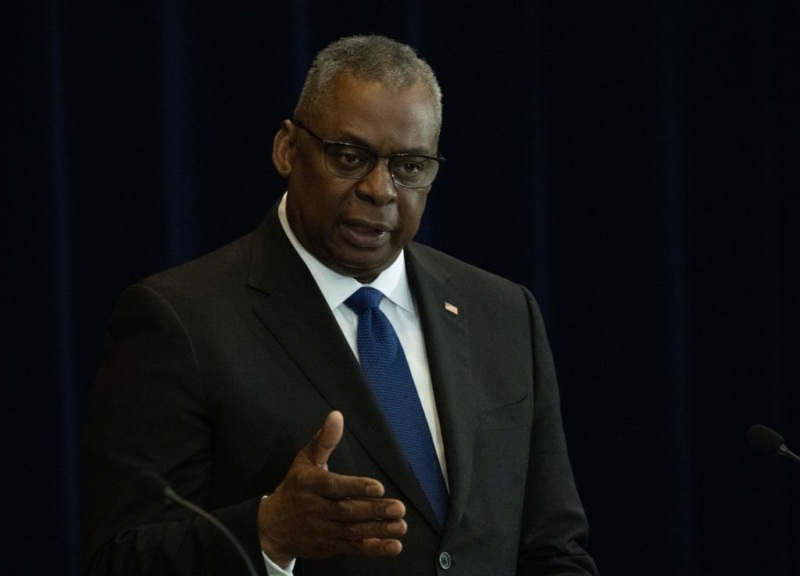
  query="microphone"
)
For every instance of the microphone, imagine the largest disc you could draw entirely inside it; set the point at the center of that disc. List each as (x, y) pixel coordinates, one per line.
(154, 483)
(769, 442)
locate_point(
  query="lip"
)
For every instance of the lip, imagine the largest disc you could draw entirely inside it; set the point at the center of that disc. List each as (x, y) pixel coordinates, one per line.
(365, 234)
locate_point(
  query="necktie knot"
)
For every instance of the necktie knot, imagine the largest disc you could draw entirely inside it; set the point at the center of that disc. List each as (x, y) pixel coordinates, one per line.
(364, 299)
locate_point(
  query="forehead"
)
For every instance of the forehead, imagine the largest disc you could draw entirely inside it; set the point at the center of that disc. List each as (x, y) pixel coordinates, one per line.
(390, 120)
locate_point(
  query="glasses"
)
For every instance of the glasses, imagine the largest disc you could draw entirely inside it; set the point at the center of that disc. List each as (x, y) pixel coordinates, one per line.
(352, 161)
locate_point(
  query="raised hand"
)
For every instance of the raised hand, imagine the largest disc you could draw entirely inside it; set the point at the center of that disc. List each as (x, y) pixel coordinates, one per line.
(315, 513)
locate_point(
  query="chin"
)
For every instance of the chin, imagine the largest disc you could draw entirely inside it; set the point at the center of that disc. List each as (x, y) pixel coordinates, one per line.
(360, 265)
(361, 271)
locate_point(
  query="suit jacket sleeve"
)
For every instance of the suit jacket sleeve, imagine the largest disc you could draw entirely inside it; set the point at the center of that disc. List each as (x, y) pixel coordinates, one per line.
(554, 527)
(148, 410)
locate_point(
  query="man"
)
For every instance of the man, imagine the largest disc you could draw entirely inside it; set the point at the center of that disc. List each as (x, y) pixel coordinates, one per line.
(246, 377)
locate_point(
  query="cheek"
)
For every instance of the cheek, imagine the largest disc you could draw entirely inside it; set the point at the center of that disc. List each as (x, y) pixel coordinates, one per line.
(322, 201)
(411, 213)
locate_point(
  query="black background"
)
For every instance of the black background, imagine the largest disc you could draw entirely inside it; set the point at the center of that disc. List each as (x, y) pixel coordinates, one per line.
(634, 163)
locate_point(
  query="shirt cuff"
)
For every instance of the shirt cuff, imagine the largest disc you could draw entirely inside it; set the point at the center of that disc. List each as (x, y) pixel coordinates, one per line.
(275, 570)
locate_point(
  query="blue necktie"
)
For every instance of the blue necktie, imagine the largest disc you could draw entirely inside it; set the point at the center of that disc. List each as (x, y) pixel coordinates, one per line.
(386, 369)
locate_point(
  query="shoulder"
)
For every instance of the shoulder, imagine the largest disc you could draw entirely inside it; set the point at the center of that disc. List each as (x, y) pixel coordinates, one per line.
(215, 276)
(225, 266)
(256, 259)
(491, 302)
(425, 260)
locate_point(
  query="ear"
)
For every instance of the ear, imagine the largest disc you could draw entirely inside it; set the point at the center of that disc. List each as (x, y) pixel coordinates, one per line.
(283, 148)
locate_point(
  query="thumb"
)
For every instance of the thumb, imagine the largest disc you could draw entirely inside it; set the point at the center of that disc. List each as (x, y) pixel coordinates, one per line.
(325, 440)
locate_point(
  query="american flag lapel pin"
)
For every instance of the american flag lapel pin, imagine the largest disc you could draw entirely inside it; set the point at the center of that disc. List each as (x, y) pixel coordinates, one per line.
(451, 308)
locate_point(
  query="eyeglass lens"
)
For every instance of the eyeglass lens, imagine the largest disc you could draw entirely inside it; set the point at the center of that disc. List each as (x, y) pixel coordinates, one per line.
(356, 162)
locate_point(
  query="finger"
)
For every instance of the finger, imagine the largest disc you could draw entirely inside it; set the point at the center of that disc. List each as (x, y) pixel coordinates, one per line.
(326, 439)
(358, 510)
(373, 547)
(360, 531)
(334, 486)
(330, 485)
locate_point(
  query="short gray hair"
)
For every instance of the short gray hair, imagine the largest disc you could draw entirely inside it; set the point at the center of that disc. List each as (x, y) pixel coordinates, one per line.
(374, 58)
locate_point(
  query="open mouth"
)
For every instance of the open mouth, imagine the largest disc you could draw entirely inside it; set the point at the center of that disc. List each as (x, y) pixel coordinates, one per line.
(364, 235)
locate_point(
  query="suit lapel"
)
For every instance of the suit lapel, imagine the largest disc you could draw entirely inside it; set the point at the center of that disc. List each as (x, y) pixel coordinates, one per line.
(293, 310)
(444, 313)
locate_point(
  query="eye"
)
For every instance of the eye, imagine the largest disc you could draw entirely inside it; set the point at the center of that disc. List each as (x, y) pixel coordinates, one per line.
(409, 167)
(348, 158)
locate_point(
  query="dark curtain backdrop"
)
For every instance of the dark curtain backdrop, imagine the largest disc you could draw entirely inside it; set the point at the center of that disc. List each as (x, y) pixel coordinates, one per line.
(634, 163)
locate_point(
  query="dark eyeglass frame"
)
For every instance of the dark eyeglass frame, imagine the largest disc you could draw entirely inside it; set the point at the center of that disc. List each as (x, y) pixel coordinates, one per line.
(326, 144)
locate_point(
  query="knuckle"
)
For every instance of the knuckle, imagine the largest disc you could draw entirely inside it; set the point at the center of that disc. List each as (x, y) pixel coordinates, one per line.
(328, 484)
(352, 547)
(378, 509)
(351, 532)
(302, 478)
(383, 529)
(342, 509)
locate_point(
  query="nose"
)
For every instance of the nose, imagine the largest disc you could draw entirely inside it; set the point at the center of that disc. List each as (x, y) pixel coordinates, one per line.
(378, 185)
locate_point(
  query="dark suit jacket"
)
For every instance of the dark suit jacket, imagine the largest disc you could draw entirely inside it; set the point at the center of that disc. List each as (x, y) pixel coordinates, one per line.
(217, 372)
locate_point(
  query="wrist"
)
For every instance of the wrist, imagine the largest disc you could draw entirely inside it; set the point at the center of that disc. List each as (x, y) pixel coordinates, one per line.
(267, 535)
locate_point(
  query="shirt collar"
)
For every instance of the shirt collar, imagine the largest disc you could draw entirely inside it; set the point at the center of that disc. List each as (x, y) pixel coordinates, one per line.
(335, 288)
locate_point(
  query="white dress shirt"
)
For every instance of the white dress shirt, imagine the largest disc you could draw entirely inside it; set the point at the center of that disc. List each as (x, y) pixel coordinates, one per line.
(399, 307)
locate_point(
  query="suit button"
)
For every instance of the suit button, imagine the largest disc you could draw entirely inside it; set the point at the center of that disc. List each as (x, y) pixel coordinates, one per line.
(444, 560)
